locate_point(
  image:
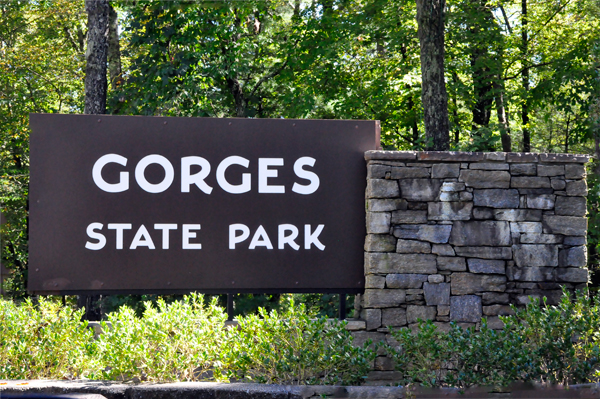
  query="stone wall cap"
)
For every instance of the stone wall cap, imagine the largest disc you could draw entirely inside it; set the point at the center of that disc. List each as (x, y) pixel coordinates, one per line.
(457, 156)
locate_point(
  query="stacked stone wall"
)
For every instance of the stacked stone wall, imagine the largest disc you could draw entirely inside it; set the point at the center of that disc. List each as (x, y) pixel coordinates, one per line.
(461, 236)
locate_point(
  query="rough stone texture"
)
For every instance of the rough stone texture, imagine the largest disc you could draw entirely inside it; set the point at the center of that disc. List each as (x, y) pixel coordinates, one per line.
(442, 249)
(420, 189)
(489, 298)
(372, 317)
(572, 275)
(496, 198)
(414, 313)
(393, 317)
(435, 278)
(379, 188)
(574, 171)
(530, 182)
(541, 201)
(378, 222)
(383, 298)
(445, 170)
(380, 243)
(570, 206)
(413, 247)
(577, 188)
(541, 239)
(475, 233)
(437, 294)
(374, 281)
(386, 205)
(437, 234)
(451, 263)
(535, 255)
(551, 170)
(566, 225)
(531, 273)
(524, 169)
(518, 215)
(484, 252)
(467, 283)
(485, 178)
(409, 173)
(575, 256)
(405, 280)
(449, 210)
(487, 266)
(383, 263)
(489, 166)
(466, 308)
(400, 217)
(525, 227)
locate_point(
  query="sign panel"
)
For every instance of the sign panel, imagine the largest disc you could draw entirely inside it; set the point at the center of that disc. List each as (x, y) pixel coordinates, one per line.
(153, 204)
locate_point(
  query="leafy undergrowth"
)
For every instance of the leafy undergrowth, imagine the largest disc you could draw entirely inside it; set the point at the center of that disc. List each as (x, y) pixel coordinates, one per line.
(181, 341)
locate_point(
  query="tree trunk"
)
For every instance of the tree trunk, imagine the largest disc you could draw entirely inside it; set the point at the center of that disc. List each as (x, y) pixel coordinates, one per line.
(502, 117)
(430, 19)
(114, 49)
(96, 56)
(525, 78)
(455, 119)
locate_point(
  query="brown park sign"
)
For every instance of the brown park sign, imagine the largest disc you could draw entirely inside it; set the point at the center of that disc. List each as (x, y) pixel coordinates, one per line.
(126, 204)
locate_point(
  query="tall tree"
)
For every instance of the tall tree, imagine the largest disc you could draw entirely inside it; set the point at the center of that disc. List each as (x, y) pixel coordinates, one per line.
(430, 19)
(96, 56)
(525, 78)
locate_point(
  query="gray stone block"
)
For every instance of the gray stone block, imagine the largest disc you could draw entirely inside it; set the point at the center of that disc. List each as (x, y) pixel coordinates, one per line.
(488, 266)
(541, 239)
(386, 205)
(372, 317)
(483, 213)
(377, 171)
(437, 234)
(477, 233)
(485, 178)
(489, 166)
(526, 227)
(542, 201)
(437, 294)
(380, 188)
(409, 173)
(466, 308)
(529, 182)
(443, 310)
(567, 225)
(572, 275)
(523, 169)
(496, 198)
(385, 263)
(574, 171)
(518, 215)
(445, 170)
(443, 250)
(452, 187)
(420, 189)
(451, 263)
(405, 280)
(374, 281)
(531, 273)
(575, 240)
(393, 317)
(570, 206)
(411, 217)
(435, 278)
(449, 210)
(468, 283)
(449, 197)
(498, 310)
(465, 196)
(575, 256)
(485, 252)
(550, 170)
(577, 188)
(535, 255)
(386, 298)
(558, 184)
(411, 247)
(490, 298)
(414, 313)
(378, 222)
(380, 243)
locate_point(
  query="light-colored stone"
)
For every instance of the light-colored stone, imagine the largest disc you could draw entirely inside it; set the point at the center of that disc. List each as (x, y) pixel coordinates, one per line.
(531, 273)
(356, 325)
(488, 266)
(449, 197)
(574, 171)
(384, 263)
(435, 278)
(372, 317)
(452, 187)
(449, 210)
(518, 215)
(535, 255)
(496, 198)
(485, 178)
(393, 317)
(541, 239)
(570, 206)
(437, 294)
(550, 170)
(577, 188)
(468, 283)
(572, 275)
(405, 280)
(374, 281)
(465, 308)
(414, 313)
(485, 252)
(567, 225)
(443, 310)
(437, 234)
(410, 217)
(575, 256)
(451, 263)
(529, 182)
(420, 189)
(386, 205)
(381, 188)
(378, 222)
(526, 227)
(476, 233)
(523, 169)
(380, 243)
(489, 166)
(543, 201)
(411, 247)
(383, 298)
(409, 173)
(443, 250)
(444, 170)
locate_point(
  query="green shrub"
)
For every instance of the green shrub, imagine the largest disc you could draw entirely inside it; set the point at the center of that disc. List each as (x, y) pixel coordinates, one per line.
(292, 348)
(44, 341)
(556, 344)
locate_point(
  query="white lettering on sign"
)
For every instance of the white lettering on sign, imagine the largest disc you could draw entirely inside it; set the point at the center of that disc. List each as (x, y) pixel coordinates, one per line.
(266, 170)
(261, 238)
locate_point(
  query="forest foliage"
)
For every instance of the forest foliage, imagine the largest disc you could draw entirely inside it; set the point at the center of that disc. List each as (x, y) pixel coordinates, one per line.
(523, 70)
